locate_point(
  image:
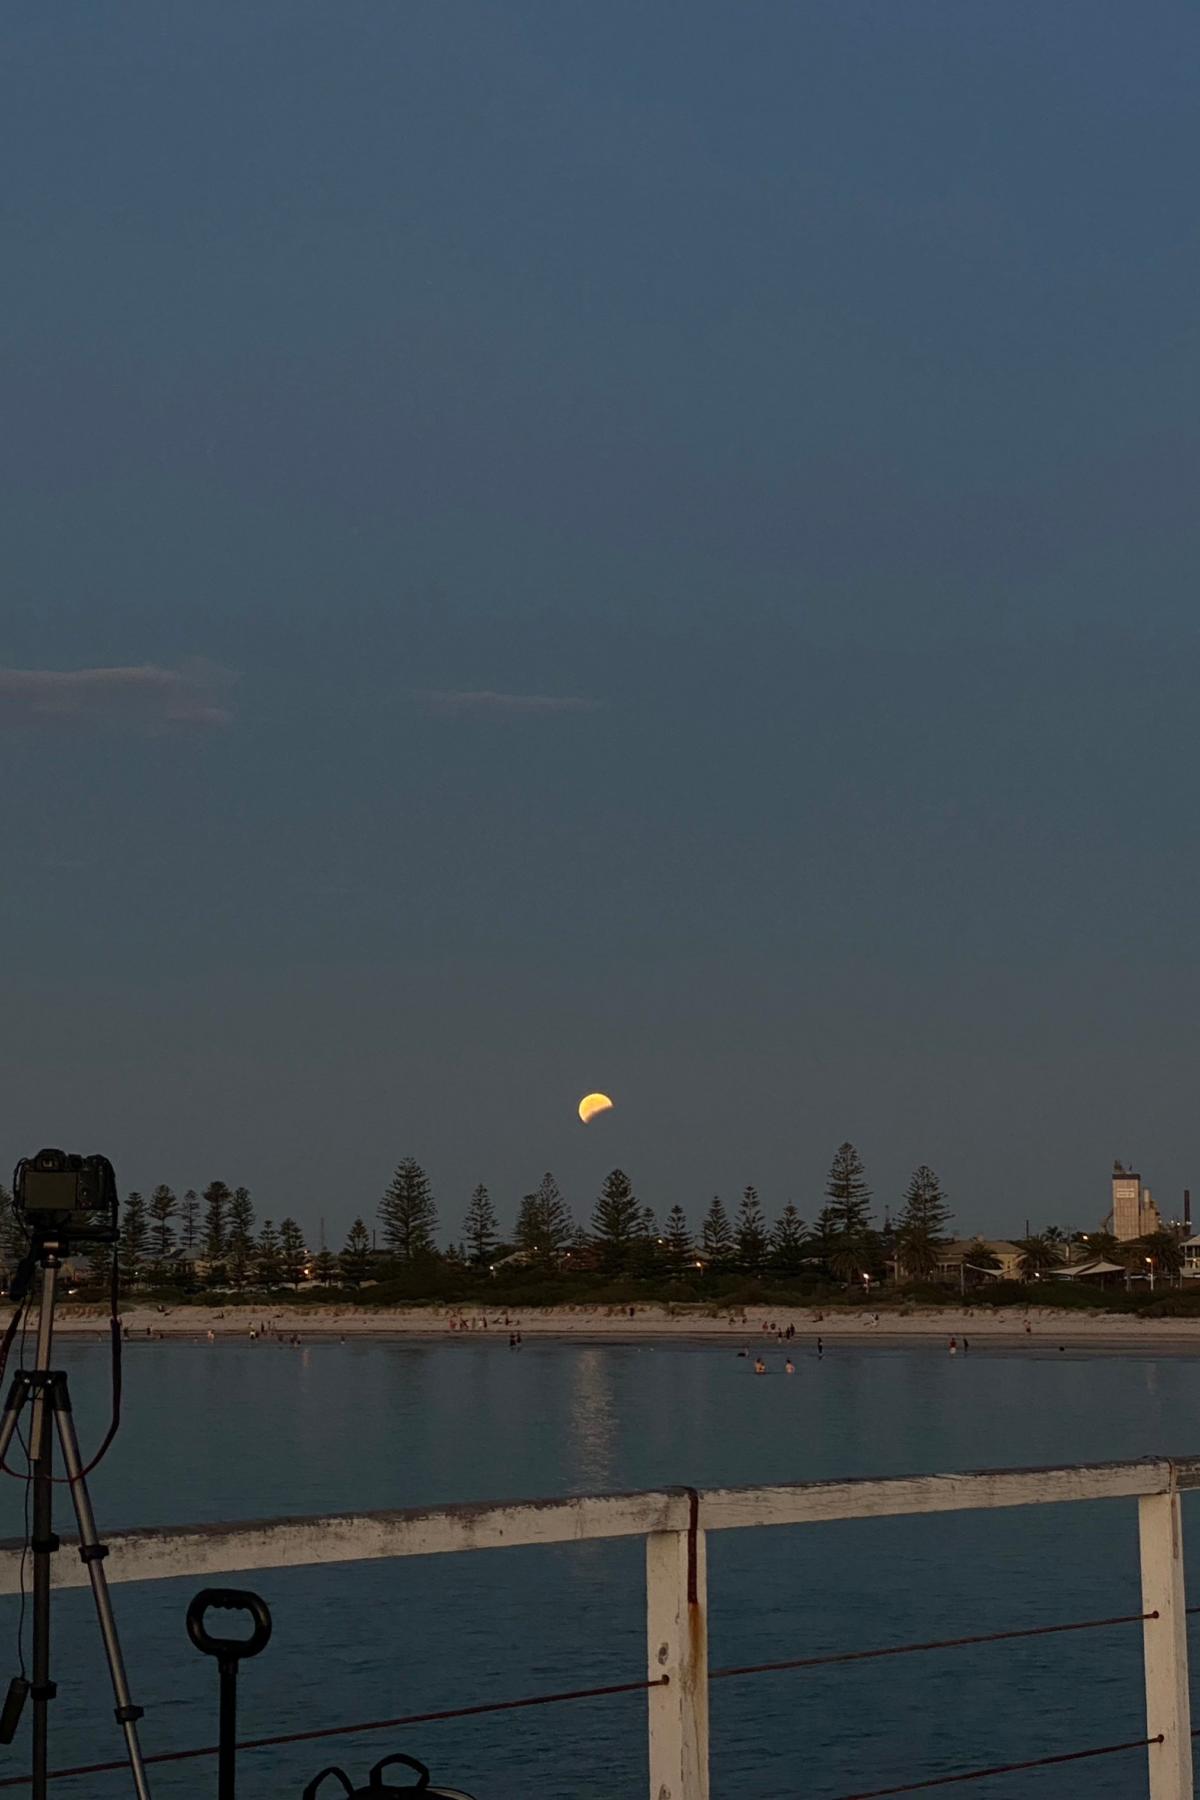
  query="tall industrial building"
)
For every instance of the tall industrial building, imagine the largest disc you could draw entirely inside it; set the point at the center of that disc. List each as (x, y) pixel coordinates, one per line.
(1134, 1213)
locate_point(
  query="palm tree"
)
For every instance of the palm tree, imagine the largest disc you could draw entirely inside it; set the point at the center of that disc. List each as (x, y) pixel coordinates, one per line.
(918, 1256)
(1100, 1244)
(1039, 1255)
(976, 1258)
(845, 1260)
(1162, 1251)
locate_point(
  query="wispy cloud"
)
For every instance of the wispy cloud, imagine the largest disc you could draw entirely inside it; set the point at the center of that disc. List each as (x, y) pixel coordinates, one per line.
(484, 701)
(142, 695)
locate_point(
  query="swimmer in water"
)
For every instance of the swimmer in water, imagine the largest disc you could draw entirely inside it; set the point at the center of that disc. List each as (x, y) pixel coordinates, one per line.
(760, 1367)
(789, 1367)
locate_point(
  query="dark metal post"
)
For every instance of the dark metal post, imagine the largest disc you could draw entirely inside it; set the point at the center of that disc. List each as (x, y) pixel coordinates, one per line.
(227, 1751)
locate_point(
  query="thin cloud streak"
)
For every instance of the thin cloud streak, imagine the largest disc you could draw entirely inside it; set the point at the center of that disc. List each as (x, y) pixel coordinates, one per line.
(484, 701)
(141, 695)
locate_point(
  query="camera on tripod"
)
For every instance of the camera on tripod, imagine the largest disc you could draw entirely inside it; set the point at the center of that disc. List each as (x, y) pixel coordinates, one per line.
(60, 1201)
(72, 1198)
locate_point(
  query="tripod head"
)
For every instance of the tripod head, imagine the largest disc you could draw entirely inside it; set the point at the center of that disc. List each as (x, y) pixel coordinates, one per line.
(43, 1253)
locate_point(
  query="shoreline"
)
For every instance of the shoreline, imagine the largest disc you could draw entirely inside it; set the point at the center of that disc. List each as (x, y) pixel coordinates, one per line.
(1038, 1328)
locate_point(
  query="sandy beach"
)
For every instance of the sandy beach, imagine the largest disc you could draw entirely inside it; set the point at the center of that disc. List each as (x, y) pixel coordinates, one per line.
(1012, 1327)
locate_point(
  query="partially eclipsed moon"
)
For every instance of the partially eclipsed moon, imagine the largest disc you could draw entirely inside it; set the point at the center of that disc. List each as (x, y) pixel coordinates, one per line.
(591, 1104)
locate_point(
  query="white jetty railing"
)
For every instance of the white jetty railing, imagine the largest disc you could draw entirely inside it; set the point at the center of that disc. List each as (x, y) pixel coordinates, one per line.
(675, 1522)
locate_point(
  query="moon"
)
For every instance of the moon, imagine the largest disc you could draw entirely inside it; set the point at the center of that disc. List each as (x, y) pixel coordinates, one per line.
(591, 1104)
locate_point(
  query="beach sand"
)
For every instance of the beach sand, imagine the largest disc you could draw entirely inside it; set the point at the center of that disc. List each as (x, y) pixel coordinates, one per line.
(1012, 1327)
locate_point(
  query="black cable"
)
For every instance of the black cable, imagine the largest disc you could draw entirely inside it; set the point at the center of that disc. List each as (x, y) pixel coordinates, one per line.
(114, 1327)
(21, 1577)
(28, 1492)
(20, 1318)
(10, 1332)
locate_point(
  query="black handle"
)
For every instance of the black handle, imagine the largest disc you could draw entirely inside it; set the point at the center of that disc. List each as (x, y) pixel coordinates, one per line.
(229, 1600)
(410, 1762)
(310, 1791)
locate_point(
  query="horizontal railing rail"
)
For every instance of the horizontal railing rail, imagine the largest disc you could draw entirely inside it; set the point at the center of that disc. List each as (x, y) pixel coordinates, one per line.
(160, 1553)
(674, 1523)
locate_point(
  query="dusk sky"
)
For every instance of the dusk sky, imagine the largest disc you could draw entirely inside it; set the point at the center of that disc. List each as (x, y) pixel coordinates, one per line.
(648, 547)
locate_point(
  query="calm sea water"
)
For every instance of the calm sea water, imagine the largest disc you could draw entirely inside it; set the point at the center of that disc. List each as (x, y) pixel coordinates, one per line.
(237, 1431)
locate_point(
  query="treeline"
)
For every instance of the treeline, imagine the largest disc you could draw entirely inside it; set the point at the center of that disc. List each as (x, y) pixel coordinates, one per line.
(625, 1234)
(212, 1238)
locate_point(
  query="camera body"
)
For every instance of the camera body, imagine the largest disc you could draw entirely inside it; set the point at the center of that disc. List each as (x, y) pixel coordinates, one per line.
(72, 1198)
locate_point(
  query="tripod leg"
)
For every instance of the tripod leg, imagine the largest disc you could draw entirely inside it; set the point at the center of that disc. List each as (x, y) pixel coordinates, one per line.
(18, 1393)
(93, 1552)
(43, 1544)
(42, 1541)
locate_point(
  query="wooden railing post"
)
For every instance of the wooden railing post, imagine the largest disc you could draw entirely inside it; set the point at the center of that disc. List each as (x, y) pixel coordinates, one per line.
(1168, 1712)
(677, 1647)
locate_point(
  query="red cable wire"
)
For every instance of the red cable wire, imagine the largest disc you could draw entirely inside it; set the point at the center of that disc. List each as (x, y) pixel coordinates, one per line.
(324, 1731)
(1035, 1762)
(987, 1637)
(629, 1687)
